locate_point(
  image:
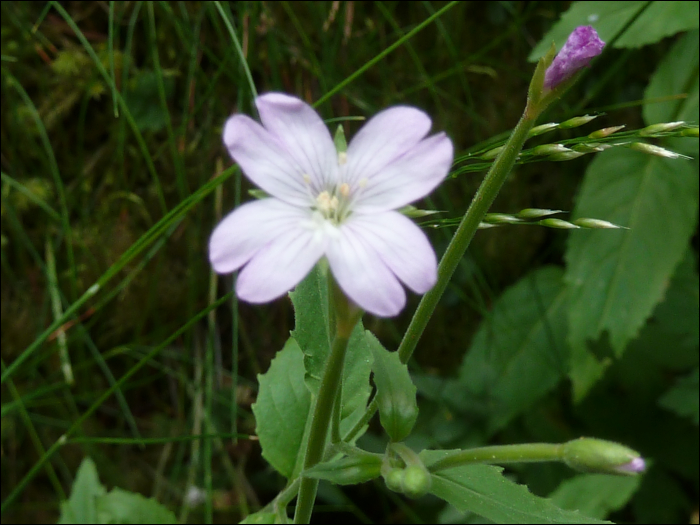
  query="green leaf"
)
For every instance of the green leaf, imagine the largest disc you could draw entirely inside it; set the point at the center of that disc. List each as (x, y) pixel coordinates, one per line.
(356, 386)
(311, 325)
(396, 393)
(313, 334)
(282, 409)
(122, 506)
(89, 502)
(615, 278)
(683, 397)
(676, 76)
(520, 351)
(596, 495)
(81, 507)
(484, 490)
(660, 20)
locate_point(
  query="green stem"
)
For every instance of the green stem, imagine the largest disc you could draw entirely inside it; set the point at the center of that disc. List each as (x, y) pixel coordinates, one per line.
(527, 453)
(346, 318)
(481, 203)
(319, 428)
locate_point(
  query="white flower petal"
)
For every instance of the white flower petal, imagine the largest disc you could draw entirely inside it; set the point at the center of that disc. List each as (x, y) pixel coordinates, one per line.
(363, 276)
(409, 177)
(280, 265)
(385, 137)
(402, 246)
(304, 135)
(242, 233)
(265, 161)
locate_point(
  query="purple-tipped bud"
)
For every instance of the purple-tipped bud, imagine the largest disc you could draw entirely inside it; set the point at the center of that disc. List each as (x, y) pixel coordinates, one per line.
(636, 466)
(582, 45)
(604, 457)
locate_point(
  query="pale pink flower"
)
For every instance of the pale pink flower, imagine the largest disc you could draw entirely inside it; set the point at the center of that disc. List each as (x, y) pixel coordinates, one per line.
(324, 203)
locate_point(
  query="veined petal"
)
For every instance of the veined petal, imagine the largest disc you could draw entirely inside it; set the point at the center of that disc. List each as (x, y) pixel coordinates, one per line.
(362, 274)
(304, 135)
(265, 160)
(386, 136)
(402, 246)
(242, 233)
(407, 178)
(280, 265)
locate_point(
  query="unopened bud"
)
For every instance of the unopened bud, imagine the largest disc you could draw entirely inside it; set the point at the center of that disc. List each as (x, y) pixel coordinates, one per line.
(605, 132)
(542, 128)
(655, 129)
(604, 457)
(394, 480)
(655, 150)
(582, 45)
(416, 481)
(577, 121)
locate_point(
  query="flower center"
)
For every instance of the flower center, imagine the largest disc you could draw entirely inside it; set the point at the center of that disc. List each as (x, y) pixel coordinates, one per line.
(334, 205)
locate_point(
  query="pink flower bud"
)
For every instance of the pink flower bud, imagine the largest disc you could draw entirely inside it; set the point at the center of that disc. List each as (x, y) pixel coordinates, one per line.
(582, 45)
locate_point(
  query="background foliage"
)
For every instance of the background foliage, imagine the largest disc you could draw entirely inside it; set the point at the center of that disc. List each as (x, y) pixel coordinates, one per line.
(111, 139)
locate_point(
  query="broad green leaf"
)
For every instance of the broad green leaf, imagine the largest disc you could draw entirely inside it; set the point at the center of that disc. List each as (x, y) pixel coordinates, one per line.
(615, 278)
(282, 409)
(676, 76)
(520, 351)
(683, 397)
(81, 507)
(313, 334)
(122, 506)
(311, 324)
(484, 490)
(678, 314)
(659, 20)
(595, 495)
(396, 393)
